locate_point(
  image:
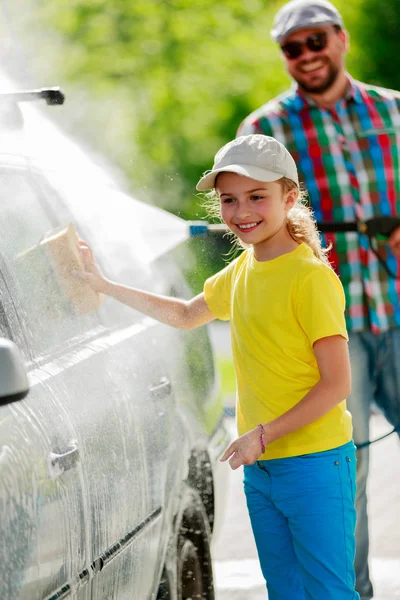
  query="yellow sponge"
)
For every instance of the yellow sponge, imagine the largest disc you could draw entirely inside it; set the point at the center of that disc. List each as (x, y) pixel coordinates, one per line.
(55, 258)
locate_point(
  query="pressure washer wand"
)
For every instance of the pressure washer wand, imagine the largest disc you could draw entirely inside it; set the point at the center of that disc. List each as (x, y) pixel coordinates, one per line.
(383, 225)
(197, 228)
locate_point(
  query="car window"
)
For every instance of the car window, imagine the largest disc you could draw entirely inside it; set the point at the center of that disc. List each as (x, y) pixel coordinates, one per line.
(48, 316)
(111, 223)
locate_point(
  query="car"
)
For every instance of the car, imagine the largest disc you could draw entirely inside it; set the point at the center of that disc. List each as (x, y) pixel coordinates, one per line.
(111, 424)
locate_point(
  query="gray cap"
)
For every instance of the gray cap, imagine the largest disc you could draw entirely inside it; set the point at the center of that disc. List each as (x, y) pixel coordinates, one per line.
(256, 156)
(301, 14)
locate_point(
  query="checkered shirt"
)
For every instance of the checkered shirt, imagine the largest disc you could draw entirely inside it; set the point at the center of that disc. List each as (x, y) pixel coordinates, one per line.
(348, 159)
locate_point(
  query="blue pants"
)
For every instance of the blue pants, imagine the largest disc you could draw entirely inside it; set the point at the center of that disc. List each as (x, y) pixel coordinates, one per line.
(375, 365)
(303, 519)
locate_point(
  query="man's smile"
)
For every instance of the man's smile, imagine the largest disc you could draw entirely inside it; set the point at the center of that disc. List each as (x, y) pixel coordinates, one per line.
(312, 66)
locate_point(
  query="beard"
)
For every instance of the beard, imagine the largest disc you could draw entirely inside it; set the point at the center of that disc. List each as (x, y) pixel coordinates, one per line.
(321, 86)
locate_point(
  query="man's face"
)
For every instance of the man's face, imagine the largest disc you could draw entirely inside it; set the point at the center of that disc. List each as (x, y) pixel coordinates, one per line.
(316, 71)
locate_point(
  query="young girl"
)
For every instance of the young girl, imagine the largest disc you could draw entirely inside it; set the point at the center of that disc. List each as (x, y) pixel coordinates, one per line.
(289, 341)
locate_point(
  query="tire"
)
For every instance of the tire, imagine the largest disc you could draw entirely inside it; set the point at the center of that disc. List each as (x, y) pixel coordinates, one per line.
(187, 573)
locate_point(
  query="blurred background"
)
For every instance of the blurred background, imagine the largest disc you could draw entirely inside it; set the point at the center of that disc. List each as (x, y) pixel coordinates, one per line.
(155, 87)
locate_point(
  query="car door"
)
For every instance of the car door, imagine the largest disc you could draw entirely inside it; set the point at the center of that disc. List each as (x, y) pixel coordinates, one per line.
(73, 373)
(44, 549)
(141, 354)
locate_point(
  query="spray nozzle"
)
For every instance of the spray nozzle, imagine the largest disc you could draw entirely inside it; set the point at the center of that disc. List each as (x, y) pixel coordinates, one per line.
(52, 96)
(197, 228)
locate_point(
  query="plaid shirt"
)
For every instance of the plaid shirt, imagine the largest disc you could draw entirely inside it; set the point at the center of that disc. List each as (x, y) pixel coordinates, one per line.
(349, 161)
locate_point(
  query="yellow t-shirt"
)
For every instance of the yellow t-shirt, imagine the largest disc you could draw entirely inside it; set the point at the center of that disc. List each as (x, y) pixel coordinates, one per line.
(277, 310)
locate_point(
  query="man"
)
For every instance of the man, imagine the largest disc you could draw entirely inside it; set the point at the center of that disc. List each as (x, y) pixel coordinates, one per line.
(344, 136)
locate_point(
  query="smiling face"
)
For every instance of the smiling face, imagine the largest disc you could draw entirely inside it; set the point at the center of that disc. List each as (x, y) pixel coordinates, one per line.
(316, 72)
(255, 211)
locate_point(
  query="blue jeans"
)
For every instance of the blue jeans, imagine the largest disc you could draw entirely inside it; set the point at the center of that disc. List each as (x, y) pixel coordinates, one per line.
(303, 519)
(375, 364)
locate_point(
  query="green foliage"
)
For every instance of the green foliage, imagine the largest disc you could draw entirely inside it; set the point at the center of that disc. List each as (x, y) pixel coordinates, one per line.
(159, 85)
(172, 78)
(377, 31)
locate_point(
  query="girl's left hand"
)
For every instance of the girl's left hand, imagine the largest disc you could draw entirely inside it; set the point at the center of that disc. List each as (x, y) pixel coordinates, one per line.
(245, 450)
(394, 242)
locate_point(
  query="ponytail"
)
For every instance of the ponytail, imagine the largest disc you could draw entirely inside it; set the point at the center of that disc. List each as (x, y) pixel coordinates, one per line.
(301, 224)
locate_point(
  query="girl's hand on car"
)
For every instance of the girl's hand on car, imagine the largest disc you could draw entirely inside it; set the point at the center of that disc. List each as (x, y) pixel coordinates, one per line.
(245, 450)
(91, 272)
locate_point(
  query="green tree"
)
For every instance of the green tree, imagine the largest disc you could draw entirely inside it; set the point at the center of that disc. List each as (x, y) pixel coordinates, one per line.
(377, 32)
(156, 85)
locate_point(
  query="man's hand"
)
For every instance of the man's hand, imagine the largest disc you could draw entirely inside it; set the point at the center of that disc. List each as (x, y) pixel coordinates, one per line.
(244, 451)
(394, 242)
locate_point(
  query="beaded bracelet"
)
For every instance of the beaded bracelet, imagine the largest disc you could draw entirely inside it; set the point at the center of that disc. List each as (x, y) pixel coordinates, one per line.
(262, 438)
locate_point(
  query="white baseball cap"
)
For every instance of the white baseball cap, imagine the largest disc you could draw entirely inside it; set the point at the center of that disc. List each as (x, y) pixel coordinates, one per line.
(302, 14)
(256, 156)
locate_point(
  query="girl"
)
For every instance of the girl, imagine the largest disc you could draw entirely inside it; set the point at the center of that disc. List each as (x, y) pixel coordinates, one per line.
(289, 341)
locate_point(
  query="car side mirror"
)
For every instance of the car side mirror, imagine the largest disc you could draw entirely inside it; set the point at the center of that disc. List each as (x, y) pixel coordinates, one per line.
(13, 378)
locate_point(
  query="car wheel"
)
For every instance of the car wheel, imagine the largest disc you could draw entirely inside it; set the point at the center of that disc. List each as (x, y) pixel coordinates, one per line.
(190, 577)
(187, 574)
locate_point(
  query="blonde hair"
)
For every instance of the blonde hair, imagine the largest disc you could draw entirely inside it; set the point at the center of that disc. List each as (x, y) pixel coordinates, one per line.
(300, 222)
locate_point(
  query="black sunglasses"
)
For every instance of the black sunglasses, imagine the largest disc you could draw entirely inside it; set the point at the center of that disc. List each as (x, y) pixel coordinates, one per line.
(315, 42)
